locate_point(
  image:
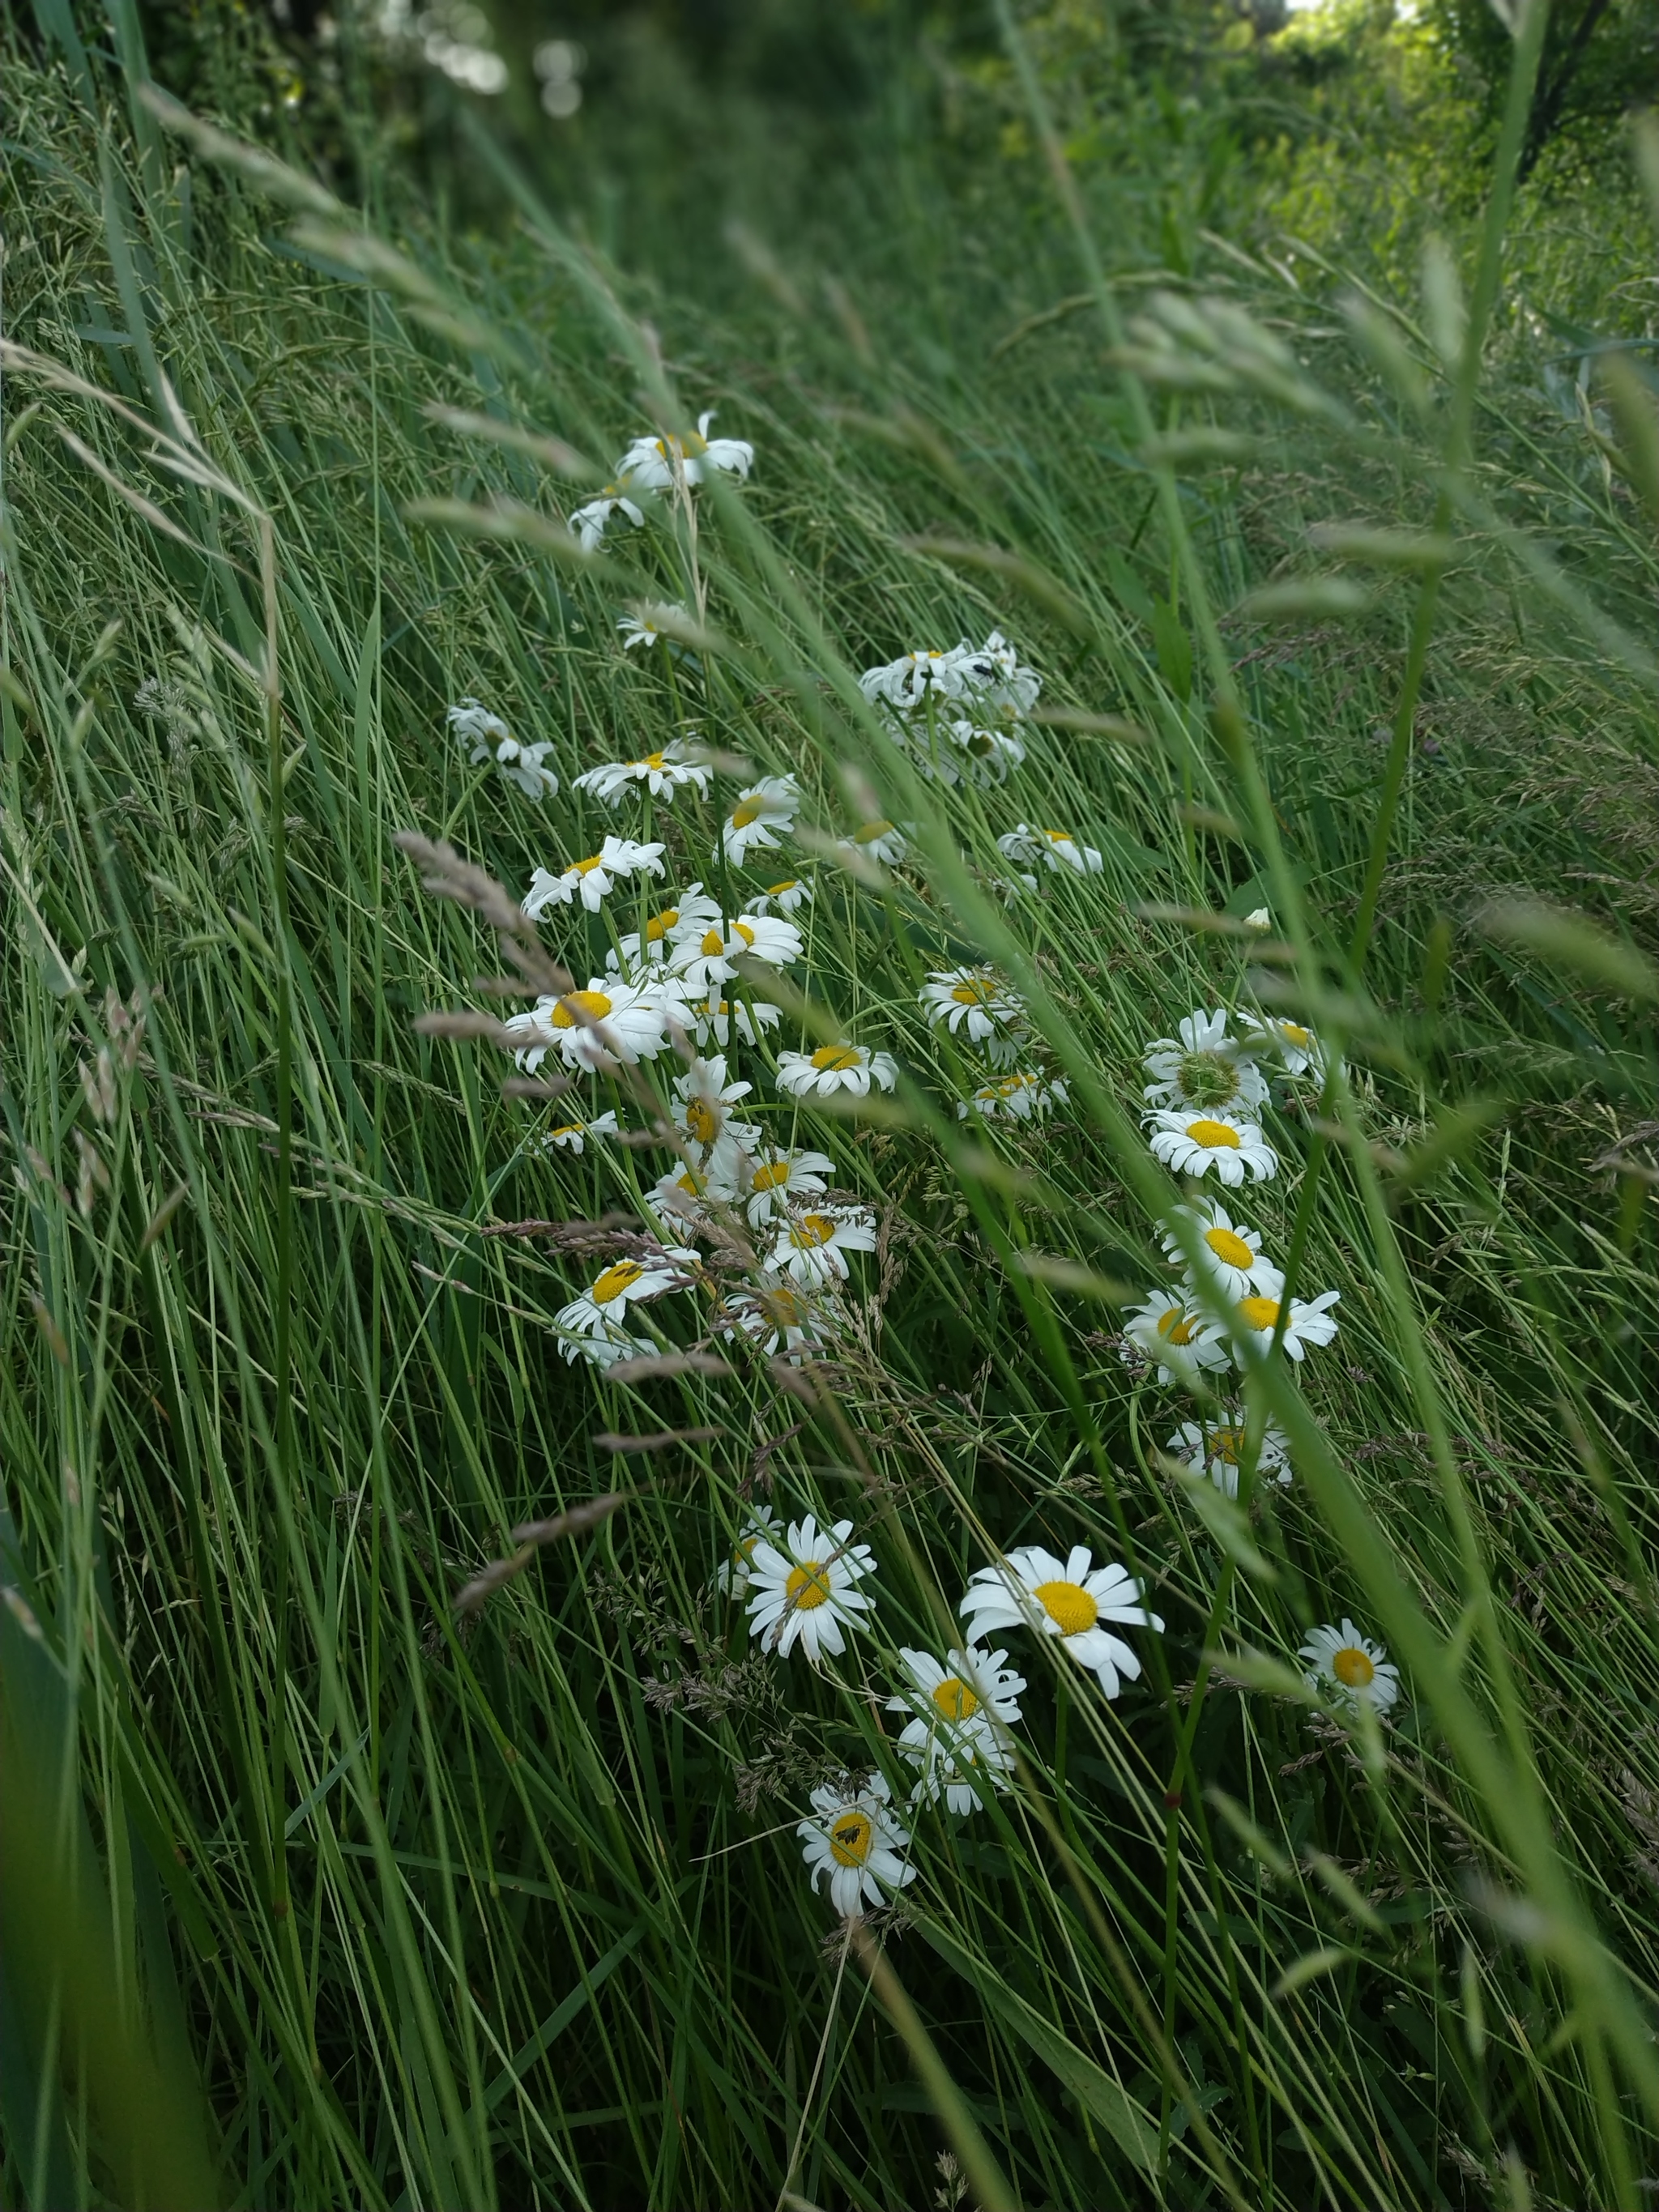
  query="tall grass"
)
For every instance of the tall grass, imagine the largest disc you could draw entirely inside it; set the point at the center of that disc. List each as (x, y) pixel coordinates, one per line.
(319, 1890)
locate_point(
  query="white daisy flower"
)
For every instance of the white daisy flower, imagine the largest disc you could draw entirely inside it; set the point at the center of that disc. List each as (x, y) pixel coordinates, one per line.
(812, 1247)
(855, 1844)
(1190, 1143)
(606, 1346)
(989, 755)
(835, 1068)
(913, 679)
(491, 740)
(992, 672)
(1219, 1451)
(1204, 1069)
(793, 892)
(1232, 1256)
(589, 522)
(973, 1002)
(647, 627)
(776, 1315)
(717, 1020)
(804, 1588)
(658, 463)
(1169, 1329)
(1349, 1668)
(685, 1200)
(608, 1022)
(708, 953)
(1056, 848)
(877, 841)
(767, 807)
(781, 1176)
(732, 1577)
(592, 880)
(1299, 1049)
(692, 910)
(572, 1136)
(958, 1709)
(623, 1284)
(704, 1093)
(1024, 1096)
(1310, 1323)
(662, 773)
(1069, 1598)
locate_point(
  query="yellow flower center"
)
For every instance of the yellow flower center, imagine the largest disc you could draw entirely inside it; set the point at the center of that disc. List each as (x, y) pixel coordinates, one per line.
(808, 1586)
(659, 925)
(1232, 1250)
(742, 929)
(1228, 1444)
(977, 992)
(583, 867)
(703, 1119)
(1261, 1313)
(746, 1551)
(568, 1129)
(712, 944)
(1214, 1136)
(850, 1837)
(1353, 1669)
(651, 760)
(594, 1004)
(1293, 1034)
(870, 832)
(1071, 1609)
(836, 1055)
(1058, 837)
(955, 1699)
(773, 1176)
(774, 889)
(813, 1229)
(1175, 1326)
(781, 1307)
(750, 810)
(616, 1279)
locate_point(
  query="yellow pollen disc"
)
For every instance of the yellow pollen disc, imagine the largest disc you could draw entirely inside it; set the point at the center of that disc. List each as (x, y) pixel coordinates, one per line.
(1070, 1608)
(702, 1120)
(1353, 1669)
(743, 930)
(746, 1551)
(749, 812)
(870, 832)
(1058, 837)
(975, 992)
(1175, 1326)
(1214, 1136)
(773, 1176)
(615, 1281)
(712, 944)
(651, 760)
(782, 1307)
(659, 925)
(584, 867)
(1261, 1313)
(814, 1229)
(1293, 1034)
(1229, 1248)
(955, 1699)
(568, 1129)
(1228, 1444)
(773, 889)
(808, 1586)
(850, 1840)
(836, 1055)
(594, 1004)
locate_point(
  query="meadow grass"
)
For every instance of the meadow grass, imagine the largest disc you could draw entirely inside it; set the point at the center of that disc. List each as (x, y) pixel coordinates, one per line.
(322, 1890)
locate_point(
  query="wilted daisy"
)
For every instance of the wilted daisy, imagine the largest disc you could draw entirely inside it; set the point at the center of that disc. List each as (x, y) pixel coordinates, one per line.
(957, 1708)
(1024, 1096)
(1299, 1048)
(1349, 1668)
(1204, 1070)
(1219, 1452)
(1310, 1323)
(608, 1022)
(589, 522)
(572, 1136)
(732, 1577)
(1231, 1254)
(658, 463)
(793, 892)
(877, 841)
(1070, 1599)
(1056, 848)
(803, 1588)
(782, 1175)
(662, 773)
(835, 1068)
(717, 1020)
(974, 1002)
(491, 740)
(627, 1283)
(777, 1314)
(592, 880)
(812, 1247)
(708, 953)
(760, 817)
(1169, 1329)
(1201, 1144)
(854, 1846)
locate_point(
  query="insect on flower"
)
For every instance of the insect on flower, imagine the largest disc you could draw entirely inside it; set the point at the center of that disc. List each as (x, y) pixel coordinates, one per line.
(855, 1844)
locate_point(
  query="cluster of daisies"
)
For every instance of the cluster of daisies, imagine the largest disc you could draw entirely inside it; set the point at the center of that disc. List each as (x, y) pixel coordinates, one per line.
(654, 467)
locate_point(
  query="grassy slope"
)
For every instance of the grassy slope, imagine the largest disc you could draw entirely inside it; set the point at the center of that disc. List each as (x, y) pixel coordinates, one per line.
(458, 1918)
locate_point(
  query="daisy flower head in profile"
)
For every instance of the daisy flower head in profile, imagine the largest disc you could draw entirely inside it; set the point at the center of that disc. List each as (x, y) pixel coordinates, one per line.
(854, 1846)
(878, 841)
(987, 755)
(626, 1283)
(707, 952)
(605, 1346)
(781, 1174)
(1219, 1451)
(572, 1136)
(913, 679)
(640, 948)
(832, 1067)
(659, 463)
(958, 1709)
(1024, 1096)
(658, 623)
(1070, 1598)
(1309, 1322)
(1230, 1253)
(1298, 1047)
(732, 1577)
(591, 880)
(1194, 1144)
(619, 498)
(684, 1200)
(661, 774)
(992, 674)
(812, 1245)
(1349, 1668)
(785, 898)
(760, 817)
(1055, 848)
(491, 740)
(609, 1022)
(1204, 1069)
(974, 1002)
(1169, 1329)
(717, 1020)
(804, 1588)
(778, 1315)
